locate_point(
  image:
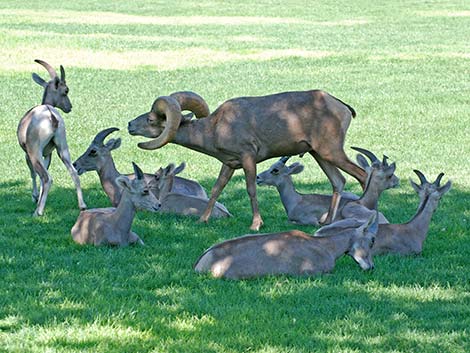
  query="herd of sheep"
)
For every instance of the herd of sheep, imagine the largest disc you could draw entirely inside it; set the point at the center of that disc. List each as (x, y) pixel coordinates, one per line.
(240, 133)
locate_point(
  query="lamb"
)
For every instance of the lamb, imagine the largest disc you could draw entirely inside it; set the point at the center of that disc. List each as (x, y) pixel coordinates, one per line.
(41, 131)
(112, 226)
(187, 205)
(304, 209)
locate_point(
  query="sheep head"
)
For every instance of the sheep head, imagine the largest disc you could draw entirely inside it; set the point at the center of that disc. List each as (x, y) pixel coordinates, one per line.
(55, 90)
(164, 119)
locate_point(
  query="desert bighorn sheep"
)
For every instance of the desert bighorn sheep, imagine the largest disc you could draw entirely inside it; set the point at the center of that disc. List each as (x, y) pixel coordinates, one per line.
(380, 177)
(408, 238)
(291, 253)
(245, 131)
(187, 205)
(300, 208)
(112, 226)
(41, 130)
(98, 157)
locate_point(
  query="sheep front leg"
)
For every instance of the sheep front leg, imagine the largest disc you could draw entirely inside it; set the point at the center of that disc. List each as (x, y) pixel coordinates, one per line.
(249, 167)
(337, 181)
(224, 176)
(63, 152)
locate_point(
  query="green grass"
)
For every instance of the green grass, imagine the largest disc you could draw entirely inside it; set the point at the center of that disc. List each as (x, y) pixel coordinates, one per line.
(404, 67)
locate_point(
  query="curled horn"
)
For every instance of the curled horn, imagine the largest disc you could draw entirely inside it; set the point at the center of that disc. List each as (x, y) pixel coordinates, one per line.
(171, 109)
(192, 102)
(437, 182)
(421, 176)
(138, 172)
(284, 159)
(48, 67)
(100, 136)
(369, 154)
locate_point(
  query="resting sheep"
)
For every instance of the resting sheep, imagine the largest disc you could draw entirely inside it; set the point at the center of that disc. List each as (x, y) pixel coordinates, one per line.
(112, 226)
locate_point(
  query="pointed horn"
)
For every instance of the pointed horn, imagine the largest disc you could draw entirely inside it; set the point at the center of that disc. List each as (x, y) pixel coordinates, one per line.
(192, 102)
(421, 176)
(138, 172)
(170, 108)
(384, 161)
(48, 67)
(62, 73)
(437, 182)
(100, 136)
(367, 153)
(284, 159)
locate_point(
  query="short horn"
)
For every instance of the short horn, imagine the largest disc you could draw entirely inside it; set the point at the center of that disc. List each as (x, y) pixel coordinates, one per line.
(170, 108)
(421, 176)
(437, 182)
(284, 159)
(193, 102)
(137, 171)
(48, 67)
(384, 161)
(62, 73)
(367, 153)
(100, 136)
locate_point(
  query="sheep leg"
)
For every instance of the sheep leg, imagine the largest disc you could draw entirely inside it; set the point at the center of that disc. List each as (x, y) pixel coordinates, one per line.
(63, 152)
(46, 182)
(249, 167)
(35, 193)
(135, 239)
(224, 176)
(337, 181)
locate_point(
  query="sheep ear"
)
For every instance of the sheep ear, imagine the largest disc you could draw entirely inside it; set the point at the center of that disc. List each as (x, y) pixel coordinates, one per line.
(56, 82)
(179, 168)
(362, 161)
(112, 144)
(295, 168)
(39, 80)
(123, 182)
(445, 188)
(415, 186)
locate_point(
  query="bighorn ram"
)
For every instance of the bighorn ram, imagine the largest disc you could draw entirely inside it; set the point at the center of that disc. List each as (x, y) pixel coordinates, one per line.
(41, 130)
(112, 226)
(291, 253)
(408, 238)
(98, 157)
(187, 205)
(245, 131)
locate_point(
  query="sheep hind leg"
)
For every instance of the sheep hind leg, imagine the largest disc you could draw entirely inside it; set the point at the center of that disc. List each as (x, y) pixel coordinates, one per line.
(225, 175)
(46, 182)
(35, 192)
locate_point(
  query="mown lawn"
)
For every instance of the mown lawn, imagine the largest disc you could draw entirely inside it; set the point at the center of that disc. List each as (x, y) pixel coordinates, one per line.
(403, 65)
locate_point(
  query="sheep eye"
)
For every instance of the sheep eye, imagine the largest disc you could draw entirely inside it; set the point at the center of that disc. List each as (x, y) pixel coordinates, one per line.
(275, 171)
(93, 153)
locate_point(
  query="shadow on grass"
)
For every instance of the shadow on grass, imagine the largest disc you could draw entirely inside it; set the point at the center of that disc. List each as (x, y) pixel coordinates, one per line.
(147, 298)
